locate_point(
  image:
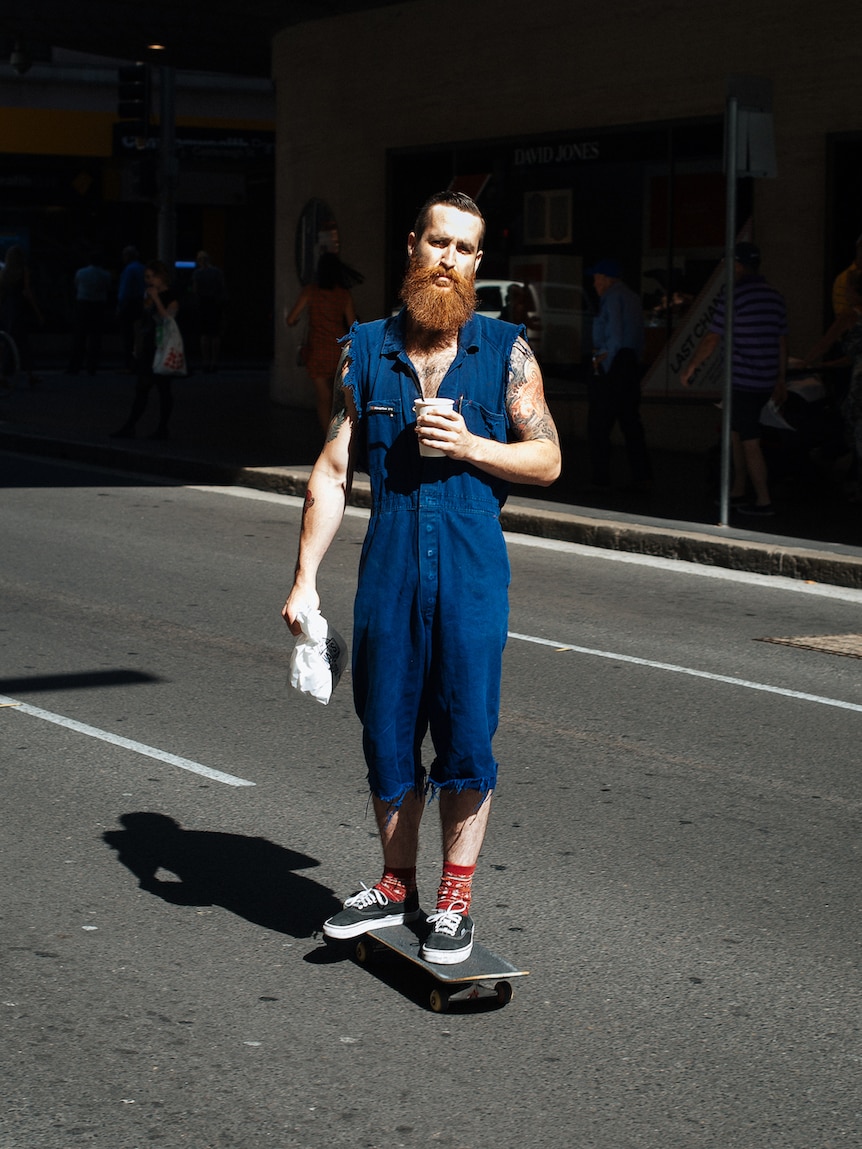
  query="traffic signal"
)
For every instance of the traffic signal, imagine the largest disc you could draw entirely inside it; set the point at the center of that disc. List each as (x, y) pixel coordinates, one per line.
(133, 97)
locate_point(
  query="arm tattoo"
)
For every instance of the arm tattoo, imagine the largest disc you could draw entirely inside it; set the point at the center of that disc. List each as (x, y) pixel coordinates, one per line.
(525, 397)
(339, 401)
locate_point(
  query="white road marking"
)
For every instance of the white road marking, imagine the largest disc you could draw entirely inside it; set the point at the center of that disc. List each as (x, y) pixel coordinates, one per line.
(675, 566)
(684, 566)
(669, 666)
(125, 743)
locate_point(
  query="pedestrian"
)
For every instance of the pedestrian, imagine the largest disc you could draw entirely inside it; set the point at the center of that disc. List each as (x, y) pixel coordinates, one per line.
(18, 309)
(208, 286)
(847, 329)
(840, 301)
(130, 303)
(160, 302)
(330, 314)
(431, 608)
(759, 372)
(614, 389)
(92, 287)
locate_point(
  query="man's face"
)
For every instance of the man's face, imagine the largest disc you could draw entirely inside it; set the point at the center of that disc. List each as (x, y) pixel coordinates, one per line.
(450, 241)
(601, 283)
(438, 287)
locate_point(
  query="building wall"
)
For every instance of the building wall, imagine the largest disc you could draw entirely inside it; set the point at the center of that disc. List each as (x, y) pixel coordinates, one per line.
(435, 71)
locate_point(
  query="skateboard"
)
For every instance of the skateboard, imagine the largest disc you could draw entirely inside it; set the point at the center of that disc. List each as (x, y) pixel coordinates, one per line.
(483, 975)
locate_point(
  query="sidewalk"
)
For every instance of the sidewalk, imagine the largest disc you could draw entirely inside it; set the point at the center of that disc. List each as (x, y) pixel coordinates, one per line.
(226, 430)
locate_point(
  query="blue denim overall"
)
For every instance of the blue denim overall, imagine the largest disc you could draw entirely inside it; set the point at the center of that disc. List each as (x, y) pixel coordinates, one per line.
(431, 609)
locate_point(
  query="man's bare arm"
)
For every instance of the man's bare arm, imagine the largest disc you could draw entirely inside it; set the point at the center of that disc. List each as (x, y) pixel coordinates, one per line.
(534, 457)
(325, 500)
(703, 351)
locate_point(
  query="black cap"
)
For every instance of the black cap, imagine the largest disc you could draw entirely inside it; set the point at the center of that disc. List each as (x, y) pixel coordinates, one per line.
(748, 254)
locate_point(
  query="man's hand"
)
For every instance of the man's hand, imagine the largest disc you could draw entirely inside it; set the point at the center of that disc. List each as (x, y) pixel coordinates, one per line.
(685, 377)
(445, 430)
(300, 597)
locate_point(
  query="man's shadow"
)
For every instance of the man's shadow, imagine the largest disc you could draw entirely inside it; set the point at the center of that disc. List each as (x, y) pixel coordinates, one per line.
(251, 877)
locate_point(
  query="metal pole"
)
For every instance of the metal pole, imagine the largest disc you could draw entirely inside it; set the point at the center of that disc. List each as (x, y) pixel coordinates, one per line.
(731, 134)
(167, 222)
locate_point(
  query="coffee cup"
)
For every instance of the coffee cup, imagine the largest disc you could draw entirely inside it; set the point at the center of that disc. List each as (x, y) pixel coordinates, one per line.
(426, 406)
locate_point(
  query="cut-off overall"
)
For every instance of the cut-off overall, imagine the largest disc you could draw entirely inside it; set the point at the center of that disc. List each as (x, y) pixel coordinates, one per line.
(431, 610)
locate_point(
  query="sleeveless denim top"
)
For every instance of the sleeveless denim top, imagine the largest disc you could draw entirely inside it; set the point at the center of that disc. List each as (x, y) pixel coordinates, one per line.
(384, 385)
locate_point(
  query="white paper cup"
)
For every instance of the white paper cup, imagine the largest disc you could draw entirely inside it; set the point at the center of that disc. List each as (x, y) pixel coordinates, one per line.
(421, 407)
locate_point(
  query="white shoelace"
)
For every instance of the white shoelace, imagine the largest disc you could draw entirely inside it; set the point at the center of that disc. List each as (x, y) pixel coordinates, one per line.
(365, 898)
(447, 921)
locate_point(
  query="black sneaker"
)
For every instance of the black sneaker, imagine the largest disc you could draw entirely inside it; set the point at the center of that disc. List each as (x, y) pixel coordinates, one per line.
(756, 511)
(450, 940)
(370, 910)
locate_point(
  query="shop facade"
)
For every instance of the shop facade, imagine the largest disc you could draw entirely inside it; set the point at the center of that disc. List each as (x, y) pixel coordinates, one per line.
(583, 132)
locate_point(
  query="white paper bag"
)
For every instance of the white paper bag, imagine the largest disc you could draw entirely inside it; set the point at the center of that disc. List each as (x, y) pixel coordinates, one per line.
(319, 657)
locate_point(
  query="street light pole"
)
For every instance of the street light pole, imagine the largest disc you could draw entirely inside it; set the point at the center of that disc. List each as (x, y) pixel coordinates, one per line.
(167, 219)
(730, 159)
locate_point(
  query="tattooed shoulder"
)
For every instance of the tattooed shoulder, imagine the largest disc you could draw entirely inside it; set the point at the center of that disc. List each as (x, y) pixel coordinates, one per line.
(525, 396)
(339, 396)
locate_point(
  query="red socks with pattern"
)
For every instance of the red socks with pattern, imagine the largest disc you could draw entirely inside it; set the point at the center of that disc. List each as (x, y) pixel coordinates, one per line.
(456, 888)
(397, 884)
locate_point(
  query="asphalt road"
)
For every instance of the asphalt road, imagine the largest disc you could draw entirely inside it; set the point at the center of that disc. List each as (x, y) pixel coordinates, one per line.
(673, 854)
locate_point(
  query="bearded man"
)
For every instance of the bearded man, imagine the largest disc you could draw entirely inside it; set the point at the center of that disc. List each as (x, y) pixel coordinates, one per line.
(431, 609)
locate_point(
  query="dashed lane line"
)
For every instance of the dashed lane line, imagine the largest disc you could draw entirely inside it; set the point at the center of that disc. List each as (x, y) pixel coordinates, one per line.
(669, 666)
(124, 743)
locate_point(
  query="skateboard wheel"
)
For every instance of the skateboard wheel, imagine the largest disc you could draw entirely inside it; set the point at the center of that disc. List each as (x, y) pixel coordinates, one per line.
(504, 991)
(438, 1001)
(363, 952)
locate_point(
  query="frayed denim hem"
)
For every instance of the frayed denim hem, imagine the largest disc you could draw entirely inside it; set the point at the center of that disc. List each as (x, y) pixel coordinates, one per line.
(395, 802)
(483, 786)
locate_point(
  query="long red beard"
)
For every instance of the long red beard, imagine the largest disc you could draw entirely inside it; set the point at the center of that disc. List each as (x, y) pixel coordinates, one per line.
(432, 308)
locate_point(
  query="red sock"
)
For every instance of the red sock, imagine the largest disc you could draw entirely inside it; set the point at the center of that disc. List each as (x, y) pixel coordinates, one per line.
(397, 884)
(456, 887)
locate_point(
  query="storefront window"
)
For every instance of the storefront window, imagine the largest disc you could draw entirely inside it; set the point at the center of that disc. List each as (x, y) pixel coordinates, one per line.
(651, 196)
(316, 233)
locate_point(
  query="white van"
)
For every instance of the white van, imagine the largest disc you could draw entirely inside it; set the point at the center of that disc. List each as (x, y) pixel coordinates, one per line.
(559, 323)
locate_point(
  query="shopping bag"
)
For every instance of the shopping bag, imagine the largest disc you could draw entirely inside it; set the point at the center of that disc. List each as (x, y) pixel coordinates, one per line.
(319, 657)
(170, 356)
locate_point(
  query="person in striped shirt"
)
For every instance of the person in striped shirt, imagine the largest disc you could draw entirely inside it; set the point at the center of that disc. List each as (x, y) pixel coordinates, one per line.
(759, 372)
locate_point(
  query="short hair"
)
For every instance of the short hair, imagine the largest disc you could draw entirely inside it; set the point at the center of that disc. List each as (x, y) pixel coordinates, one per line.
(455, 199)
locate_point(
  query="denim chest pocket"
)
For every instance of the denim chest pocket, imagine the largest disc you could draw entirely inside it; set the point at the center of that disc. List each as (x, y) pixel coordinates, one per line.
(384, 428)
(384, 421)
(385, 409)
(481, 421)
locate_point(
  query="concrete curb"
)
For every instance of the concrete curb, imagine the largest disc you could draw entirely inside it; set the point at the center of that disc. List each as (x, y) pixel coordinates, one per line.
(683, 542)
(689, 546)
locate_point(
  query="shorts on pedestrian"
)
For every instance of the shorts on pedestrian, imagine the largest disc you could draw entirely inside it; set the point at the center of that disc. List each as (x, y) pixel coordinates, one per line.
(745, 408)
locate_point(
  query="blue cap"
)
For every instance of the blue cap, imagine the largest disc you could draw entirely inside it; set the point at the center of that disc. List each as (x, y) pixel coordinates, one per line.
(609, 267)
(748, 254)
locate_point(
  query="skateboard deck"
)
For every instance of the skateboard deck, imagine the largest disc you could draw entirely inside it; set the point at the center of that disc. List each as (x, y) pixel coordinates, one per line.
(482, 975)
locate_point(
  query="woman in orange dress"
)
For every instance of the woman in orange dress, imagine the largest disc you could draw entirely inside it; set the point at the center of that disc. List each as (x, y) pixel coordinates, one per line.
(330, 315)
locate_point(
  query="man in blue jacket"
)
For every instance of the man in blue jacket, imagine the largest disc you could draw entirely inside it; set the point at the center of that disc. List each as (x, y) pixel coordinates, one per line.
(431, 610)
(615, 386)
